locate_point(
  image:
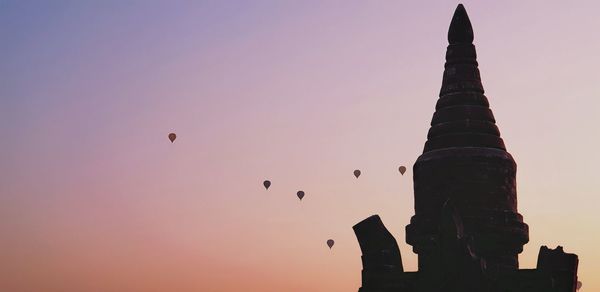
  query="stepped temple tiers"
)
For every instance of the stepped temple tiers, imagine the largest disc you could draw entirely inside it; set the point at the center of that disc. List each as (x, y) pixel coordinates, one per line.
(466, 231)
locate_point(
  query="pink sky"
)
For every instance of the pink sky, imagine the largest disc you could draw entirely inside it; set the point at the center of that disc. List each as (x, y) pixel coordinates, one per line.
(94, 197)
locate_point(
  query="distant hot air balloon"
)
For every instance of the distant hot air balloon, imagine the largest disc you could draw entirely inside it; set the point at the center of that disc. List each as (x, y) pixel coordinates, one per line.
(579, 284)
(300, 195)
(357, 173)
(267, 184)
(402, 169)
(330, 243)
(172, 137)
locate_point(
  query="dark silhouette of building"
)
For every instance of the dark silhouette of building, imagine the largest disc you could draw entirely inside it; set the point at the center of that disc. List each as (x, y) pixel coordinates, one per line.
(466, 230)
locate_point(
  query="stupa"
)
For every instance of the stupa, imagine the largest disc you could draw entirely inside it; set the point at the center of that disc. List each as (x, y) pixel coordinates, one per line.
(466, 230)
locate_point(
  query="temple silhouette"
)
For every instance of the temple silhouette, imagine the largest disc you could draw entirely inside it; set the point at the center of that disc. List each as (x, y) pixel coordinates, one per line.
(466, 230)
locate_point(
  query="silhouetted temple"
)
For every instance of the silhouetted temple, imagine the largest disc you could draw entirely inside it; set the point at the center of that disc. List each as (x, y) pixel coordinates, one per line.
(466, 230)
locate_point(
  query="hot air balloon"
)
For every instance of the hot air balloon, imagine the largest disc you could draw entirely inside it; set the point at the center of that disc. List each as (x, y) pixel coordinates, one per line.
(300, 195)
(357, 173)
(330, 243)
(267, 184)
(402, 169)
(172, 137)
(579, 284)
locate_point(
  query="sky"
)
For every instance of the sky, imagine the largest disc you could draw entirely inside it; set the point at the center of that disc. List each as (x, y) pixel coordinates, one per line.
(94, 197)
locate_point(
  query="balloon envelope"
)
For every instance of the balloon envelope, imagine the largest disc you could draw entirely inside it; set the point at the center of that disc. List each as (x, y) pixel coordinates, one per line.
(330, 243)
(267, 184)
(300, 194)
(357, 173)
(172, 137)
(402, 169)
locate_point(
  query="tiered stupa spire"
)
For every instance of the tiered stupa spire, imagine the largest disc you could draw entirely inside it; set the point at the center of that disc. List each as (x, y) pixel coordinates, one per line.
(466, 231)
(463, 117)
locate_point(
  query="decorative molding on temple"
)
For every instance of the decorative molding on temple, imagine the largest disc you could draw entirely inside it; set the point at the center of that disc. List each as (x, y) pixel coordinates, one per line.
(466, 230)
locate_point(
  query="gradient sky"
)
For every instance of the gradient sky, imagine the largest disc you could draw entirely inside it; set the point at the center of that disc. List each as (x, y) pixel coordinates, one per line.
(93, 196)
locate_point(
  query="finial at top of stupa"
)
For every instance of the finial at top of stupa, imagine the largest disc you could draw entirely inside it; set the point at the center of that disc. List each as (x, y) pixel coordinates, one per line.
(460, 30)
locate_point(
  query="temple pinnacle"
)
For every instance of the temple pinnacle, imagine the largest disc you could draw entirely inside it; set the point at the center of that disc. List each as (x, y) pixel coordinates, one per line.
(467, 230)
(460, 30)
(463, 117)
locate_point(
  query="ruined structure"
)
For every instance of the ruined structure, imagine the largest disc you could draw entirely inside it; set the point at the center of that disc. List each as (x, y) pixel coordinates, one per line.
(466, 230)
